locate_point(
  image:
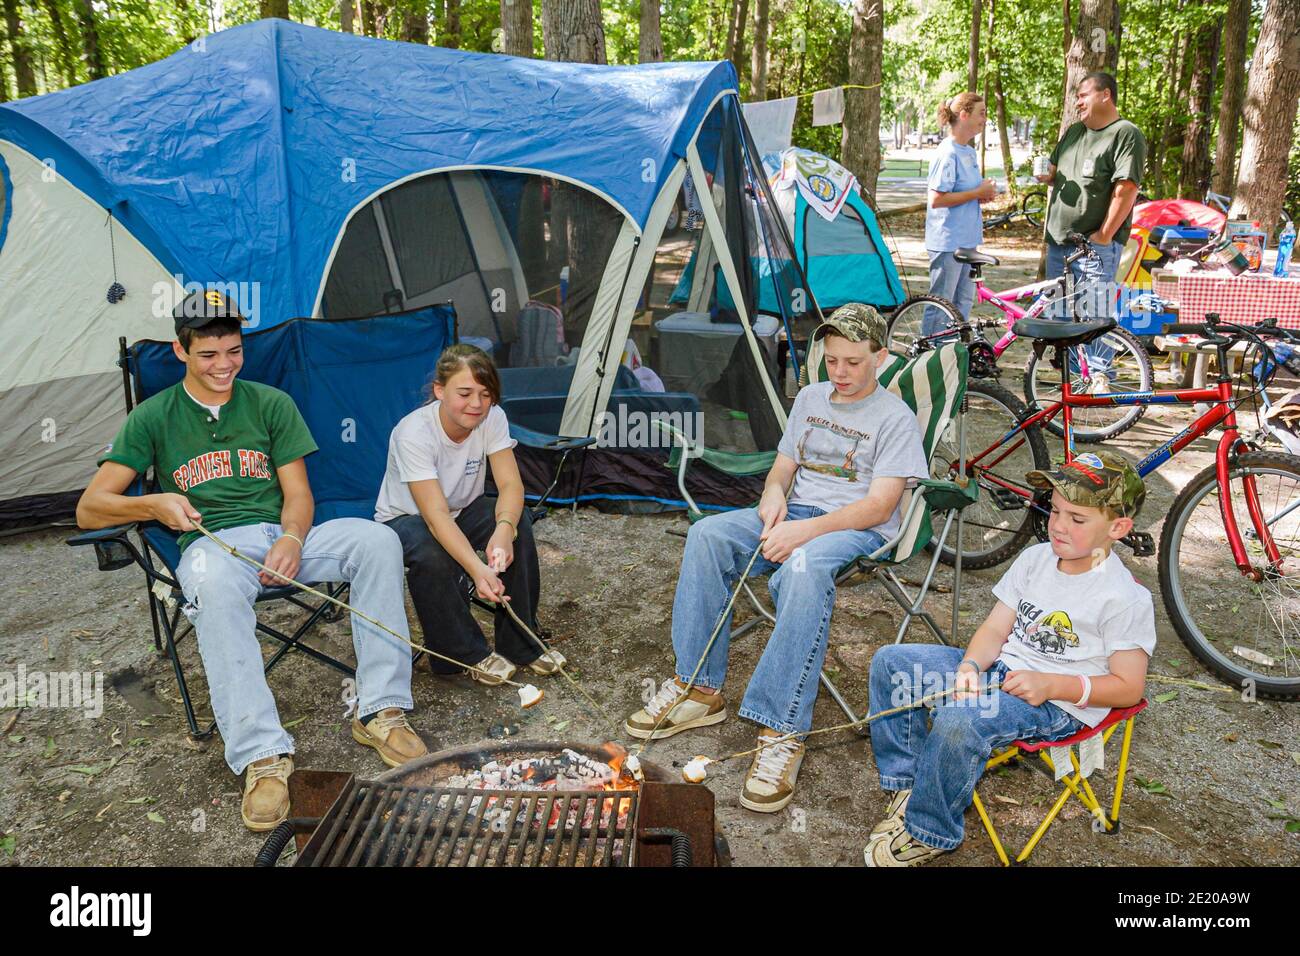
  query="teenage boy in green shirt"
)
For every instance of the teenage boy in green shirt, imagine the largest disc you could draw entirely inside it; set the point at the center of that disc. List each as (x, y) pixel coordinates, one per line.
(229, 453)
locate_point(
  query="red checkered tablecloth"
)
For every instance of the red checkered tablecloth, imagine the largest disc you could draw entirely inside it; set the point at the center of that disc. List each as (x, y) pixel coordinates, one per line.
(1246, 299)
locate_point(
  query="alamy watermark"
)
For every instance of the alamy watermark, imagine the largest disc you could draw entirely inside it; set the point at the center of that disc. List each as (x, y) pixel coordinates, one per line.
(71, 690)
(246, 295)
(637, 429)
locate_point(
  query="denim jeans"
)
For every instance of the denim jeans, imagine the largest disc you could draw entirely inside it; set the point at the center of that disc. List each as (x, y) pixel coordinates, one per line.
(220, 590)
(941, 758)
(784, 686)
(950, 279)
(1095, 290)
(440, 589)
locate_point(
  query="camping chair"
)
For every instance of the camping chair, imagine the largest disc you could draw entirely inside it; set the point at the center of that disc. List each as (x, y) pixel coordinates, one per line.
(934, 386)
(1075, 783)
(368, 372)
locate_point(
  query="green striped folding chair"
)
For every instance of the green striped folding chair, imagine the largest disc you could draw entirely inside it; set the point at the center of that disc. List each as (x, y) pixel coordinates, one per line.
(934, 386)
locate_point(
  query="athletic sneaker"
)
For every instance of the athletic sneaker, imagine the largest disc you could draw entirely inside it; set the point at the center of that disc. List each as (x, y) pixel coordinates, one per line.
(492, 670)
(901, 849)
(769, 785)
(549, 663)
(892, 822)
(698, 709)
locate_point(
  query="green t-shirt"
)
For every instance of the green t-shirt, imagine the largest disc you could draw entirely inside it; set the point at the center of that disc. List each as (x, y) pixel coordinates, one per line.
(226, 465)
(1088, 164)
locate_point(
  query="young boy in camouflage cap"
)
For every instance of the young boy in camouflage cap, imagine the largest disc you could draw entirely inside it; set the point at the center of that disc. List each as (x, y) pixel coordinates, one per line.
(1069, 639)
(849, 447)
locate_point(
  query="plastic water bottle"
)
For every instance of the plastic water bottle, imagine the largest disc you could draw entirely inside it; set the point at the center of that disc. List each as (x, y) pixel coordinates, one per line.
(1285, 246)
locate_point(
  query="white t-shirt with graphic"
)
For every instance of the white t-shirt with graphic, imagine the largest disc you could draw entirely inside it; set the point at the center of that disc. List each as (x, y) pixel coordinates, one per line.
(419, 449)
(842, 446)
(1072, 623)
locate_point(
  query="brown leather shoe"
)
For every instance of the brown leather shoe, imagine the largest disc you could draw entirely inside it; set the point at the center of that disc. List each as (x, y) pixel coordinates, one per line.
(266, 793)
(390, 734)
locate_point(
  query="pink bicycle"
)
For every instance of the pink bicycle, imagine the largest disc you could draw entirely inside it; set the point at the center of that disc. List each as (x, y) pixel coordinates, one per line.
(925, 321)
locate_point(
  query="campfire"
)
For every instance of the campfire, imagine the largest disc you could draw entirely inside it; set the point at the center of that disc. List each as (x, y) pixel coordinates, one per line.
(523, 804)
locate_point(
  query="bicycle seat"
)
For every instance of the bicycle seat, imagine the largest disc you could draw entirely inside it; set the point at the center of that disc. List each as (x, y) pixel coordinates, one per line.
(1064, 334)
(975, 257)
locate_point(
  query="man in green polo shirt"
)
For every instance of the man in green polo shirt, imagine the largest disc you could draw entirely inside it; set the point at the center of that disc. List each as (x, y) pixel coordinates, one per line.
(1095, 173)
(229, 453)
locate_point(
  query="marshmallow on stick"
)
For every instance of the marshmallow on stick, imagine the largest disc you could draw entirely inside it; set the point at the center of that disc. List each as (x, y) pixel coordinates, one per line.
(694, 771)
(529, 695)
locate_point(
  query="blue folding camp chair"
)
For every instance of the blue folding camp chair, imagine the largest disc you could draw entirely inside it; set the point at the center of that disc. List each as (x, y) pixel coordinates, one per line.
(352, 379)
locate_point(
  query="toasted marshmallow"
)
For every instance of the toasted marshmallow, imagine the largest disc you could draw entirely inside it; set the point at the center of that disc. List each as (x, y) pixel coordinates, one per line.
(694, 771)
(633, 766)
(529, 695)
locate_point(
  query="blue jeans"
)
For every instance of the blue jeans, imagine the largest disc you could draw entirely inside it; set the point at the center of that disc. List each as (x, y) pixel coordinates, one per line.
(220, 590)
(941, 760)
(784, 686)
(950, 279)
(1095, 289)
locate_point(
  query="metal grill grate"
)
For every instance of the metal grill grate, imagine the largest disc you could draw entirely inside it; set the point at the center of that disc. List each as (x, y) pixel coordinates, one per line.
(384, 824)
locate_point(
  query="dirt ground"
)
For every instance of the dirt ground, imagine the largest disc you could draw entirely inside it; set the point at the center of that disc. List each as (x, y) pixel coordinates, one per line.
(1212, 781)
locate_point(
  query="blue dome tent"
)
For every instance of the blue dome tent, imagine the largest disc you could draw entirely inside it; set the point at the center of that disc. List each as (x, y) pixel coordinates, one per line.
(310, 173)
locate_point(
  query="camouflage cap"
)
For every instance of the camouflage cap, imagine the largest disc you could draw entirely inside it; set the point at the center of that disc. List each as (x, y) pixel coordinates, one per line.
(856, 322)
(1096, 480)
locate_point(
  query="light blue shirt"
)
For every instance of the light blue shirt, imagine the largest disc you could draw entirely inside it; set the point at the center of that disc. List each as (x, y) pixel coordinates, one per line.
(955, 168)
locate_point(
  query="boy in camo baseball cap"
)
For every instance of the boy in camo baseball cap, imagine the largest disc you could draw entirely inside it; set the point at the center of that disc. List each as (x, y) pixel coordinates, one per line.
(1096, 480)
(856, 322)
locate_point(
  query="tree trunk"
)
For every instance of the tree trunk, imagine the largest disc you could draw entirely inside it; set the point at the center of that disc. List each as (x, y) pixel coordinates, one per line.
(274, 8)
(415, 23)
(650, 40)
(1235, 31)
(973, 61)
(1176, 131)
(369, 18)
(517, 27)
(1090, 46)
(67, 60)
(92, 54)
(572, 31)
(1004, 135)
(1268, 115)
(1195, 177)
(740, 56)
(758, 74)
(860, 152)
(24, 75)
(450, 35)
(347, 16)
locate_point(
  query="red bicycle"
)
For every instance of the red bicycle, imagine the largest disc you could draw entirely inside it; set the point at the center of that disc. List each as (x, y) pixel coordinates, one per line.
(1229, 556)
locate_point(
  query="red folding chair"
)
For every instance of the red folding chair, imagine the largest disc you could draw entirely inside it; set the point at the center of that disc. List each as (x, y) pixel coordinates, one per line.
(1075, 783)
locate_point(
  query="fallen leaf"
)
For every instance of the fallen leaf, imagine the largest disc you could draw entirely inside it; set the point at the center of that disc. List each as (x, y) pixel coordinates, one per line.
(1190, 729)
(1175, 662)
(1292, 826)
(116, 737)
(17, 738)
(136, 741)
(138, 800)
(9, 724)
(294, 723)
(1295, 755)
(1166, 696)
(50, 749)
(1230, 738)
(1154, 787)
(7, 845)
(1277, 804)
(1269, 744)
(99, 817)
(155, 816)
(561, 725)
(1000, 798)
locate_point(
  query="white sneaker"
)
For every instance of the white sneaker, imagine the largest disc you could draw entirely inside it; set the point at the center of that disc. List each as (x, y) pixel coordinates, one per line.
(770, 783)
(893, 819)
(695, 710)
(492, 670)
(549, 663)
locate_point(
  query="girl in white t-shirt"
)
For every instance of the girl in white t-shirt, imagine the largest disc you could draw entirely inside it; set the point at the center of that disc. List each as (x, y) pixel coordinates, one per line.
(433, 497)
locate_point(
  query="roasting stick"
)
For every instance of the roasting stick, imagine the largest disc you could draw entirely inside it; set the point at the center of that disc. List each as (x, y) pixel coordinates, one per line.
(599, 711)
(717, 629)
(694, 770)
(528, 694)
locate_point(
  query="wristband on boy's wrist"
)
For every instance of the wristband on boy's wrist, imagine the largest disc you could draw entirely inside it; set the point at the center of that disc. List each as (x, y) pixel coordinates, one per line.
(290, 534)
(1086, 682)
(974, 663)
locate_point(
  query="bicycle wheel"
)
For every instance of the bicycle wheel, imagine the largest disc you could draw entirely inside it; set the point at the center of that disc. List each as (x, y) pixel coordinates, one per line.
(1034, 205)
(1001, 522)
(907, 326)
(1130, 371)
(1244, 631)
